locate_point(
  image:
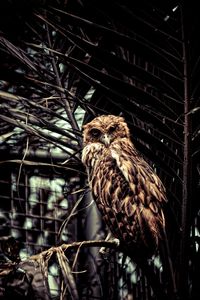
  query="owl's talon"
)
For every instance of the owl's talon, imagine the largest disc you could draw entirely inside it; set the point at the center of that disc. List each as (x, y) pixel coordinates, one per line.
(116, 241)
(105, 252)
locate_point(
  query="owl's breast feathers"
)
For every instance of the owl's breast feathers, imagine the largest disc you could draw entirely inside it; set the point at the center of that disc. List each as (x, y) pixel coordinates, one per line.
(127, 191)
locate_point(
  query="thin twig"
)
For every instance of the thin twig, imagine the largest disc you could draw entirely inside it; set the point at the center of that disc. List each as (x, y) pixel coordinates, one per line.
(68, 110)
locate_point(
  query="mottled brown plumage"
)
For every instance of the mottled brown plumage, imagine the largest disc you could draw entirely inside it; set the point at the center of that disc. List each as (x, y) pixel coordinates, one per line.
(127, 191)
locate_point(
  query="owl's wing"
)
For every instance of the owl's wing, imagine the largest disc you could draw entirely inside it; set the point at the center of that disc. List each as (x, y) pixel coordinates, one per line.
(143, 182)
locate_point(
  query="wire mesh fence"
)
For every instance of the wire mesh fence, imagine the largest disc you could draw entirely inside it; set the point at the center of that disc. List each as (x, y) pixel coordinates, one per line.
(37, 213)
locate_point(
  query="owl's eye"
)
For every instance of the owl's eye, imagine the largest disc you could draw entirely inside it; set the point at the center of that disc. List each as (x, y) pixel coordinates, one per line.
(112, 128)
(95, 132)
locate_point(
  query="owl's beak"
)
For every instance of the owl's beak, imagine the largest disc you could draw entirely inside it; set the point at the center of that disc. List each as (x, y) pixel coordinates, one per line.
(105, 139)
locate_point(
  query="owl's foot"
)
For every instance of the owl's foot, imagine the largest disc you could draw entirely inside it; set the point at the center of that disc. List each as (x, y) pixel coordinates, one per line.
(104, 251)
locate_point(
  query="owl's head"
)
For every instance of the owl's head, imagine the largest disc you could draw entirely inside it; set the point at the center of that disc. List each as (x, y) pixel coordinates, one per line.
(105, 129)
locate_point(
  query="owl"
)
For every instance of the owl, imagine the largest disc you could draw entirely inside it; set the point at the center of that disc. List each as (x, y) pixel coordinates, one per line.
(128, 193)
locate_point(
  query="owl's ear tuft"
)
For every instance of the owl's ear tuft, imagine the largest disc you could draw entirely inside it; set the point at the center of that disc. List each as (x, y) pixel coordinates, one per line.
(122, 119)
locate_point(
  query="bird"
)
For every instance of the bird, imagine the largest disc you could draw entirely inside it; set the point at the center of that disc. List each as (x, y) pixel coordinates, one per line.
(129, 194)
